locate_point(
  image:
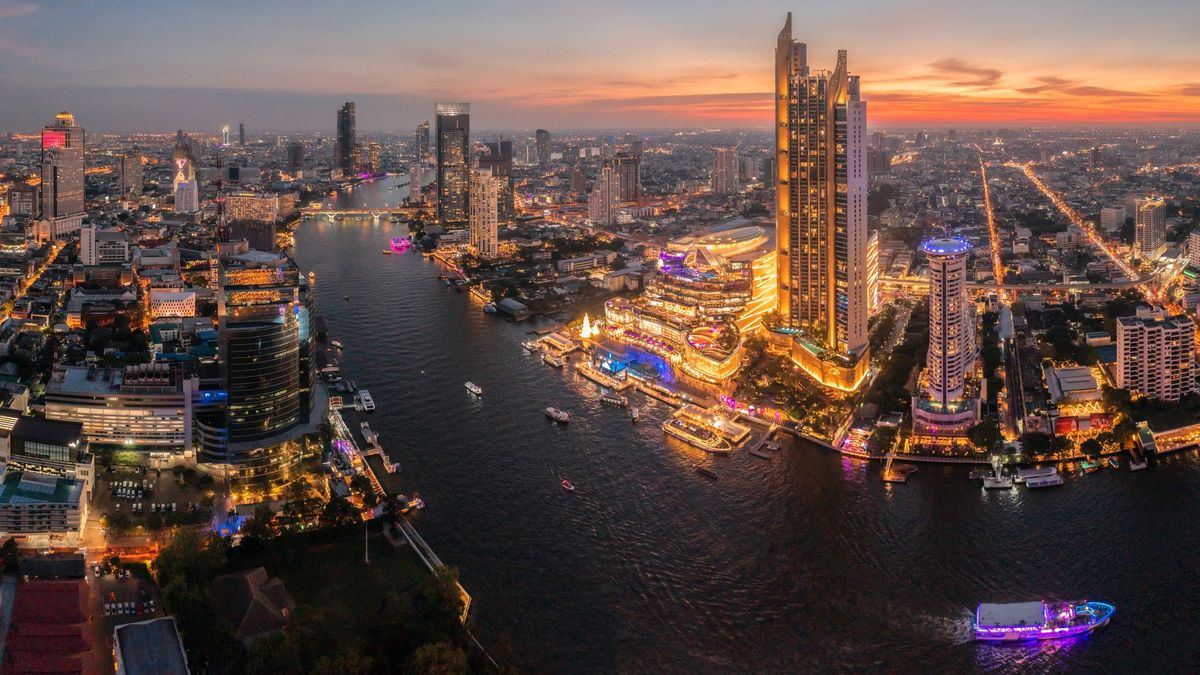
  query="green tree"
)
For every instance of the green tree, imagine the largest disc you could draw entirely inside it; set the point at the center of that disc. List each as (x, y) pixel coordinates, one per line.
(119, 523)
(1091, 447)
(438, 658)
(339, 513)
(273, 654)
(986, 435)
(10, 555)
(361, 486)
(191, 557)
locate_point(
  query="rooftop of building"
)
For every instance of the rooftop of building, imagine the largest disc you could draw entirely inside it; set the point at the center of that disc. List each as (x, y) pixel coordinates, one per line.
(48, 431)
(31, 487)
(151, 647)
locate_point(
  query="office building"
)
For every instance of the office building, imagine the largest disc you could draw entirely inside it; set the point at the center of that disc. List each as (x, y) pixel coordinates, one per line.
(295, 157)
(150, 647)
(168, 303)
(242, 134)
(542, 141)
(102, 247)
(259, 404)
(262, 207)
(1112, 219)
(1150, 225)
(604, 202)
(346, 144)
(873, 273)
(46, 480)
(146, 407)
(944, 403)
(185, 186)
(1156, 354)
(725, 171)
(499, 162)
(225, 136)
(578, 182)
(131, 176)
(485, 195)
(423, 142)
(821, 214)
(63, 169)
(453, 163)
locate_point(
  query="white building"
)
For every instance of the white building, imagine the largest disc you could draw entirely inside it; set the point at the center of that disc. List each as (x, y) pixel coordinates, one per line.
(605, 199)
(725, 171)
(1112, 219)
(951, 354)
(1155, 354)
(483, 214)
(102, 247)
(172, 303)
(1193, 248)
(1150, 225)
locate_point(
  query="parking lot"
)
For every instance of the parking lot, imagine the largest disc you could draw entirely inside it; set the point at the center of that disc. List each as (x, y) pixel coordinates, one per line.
(142, 491)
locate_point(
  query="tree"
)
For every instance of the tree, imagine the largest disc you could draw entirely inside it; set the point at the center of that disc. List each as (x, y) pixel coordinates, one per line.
(10, 555)
(273, 654)
(1091, 447)
(1035, 443)
(361, 486)
(339, 513)
(260, 525)
(119, 523)
(438, 658)
(194, 558)
(985, 435)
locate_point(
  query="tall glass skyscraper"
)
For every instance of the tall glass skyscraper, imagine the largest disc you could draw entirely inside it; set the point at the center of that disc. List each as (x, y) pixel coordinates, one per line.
(62, 167)
(821, 213)
(344, 150)
(542, 140)
(423, 141)
(453, 163)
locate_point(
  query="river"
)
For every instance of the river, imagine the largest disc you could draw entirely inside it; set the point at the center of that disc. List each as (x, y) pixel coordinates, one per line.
(806, 562)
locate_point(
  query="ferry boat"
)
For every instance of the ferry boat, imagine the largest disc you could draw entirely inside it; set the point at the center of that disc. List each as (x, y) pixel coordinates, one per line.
(614, 399)
(561, 416)
(490, 308)
(336, 344)
(694, 435)
(530, 346)
(979, 474)
(1039, 619)
(998, 482)
(552, 360)
(1092, 467)
(1038, 472)
(474, 388)
(705, 471)
(1044, 481)
(633, 415)
(1112, 461)
(368, 403)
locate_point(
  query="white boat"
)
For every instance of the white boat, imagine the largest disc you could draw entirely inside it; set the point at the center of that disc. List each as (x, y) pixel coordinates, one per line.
(561, 416)
(530, 346)
(368, 403)
(1044, 481)
(490, 308)
(633, 415)
(552, 360)
(979, 474)
(998, 483)
(474, 388)
(336, 344)
(1036, 472)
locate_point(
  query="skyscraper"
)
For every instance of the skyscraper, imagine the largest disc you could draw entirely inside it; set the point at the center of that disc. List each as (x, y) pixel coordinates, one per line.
(1150, 225)
(344, 149)
(62, 168)
(423, 141)
(374, 158)
(295, 157)
(605, 199)
(951, 352)
(628, 167)
(225, 135)
(725, 171)
(543, 146)
(242, 134)
(485, 193)
(131, 175)
(821, 213)
(187, 190)
(453, 163)
(873, 273)
(1156, 354)
(499, 161)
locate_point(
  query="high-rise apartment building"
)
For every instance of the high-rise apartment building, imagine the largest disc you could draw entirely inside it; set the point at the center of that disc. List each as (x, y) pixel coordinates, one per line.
(1150, 224)
(1156, 354)
(62, 168)
(453, 163)
(725, 171)
(951, 353)
(605, 199)
(295, 157)
(485, 195)
(542, 139)
(423, 141)
(821, 214)
(131, 176)
(225, 135)
(374, 158)
(185, 186)
(499, 162)
(1112, 219)
(1193, 248)
(346, 145)
(628, 167)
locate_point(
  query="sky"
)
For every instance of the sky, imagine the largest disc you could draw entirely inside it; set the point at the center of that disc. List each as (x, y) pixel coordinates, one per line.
(155, 66)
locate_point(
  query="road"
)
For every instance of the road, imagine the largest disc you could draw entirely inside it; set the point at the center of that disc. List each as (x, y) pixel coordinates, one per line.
(993, 232)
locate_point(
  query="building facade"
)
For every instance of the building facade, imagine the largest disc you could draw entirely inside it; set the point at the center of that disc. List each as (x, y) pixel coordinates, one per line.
(453, 163)
(422, 141)
(346, 146)
(542, 143)
(604, 202)
(485, 195)
(1150, 225)
(183, 181)
(102, 247)
(725, 171)
(821, 214)
(62, 168)
(499, 162)
(944, 402)
(1156, 354)
(131, 176)
(146, 407)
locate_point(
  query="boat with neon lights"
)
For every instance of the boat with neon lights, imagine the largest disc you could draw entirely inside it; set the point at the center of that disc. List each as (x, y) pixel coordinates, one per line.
(1039, 619)
(695, 435)
(1052, 480)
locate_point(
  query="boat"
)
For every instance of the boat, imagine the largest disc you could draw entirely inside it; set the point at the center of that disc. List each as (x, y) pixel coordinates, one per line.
(1039, 619)
(561, 416)
(998, 482)
(1091, 467)
(1112, 461)
(417, 503)
(346, 298)
(700, 437)
(530, 346)
(490, 308)
(474, 388)
(980, 474)
(568, 485)
(633, 415)
(368, 403)
(336, 344)
(1036, 472)
(759, 453)
(705, 471)
(1137, 464)
(552, 360)
(1044, 481)
(894, 477)
(614, 399)
(387, 251)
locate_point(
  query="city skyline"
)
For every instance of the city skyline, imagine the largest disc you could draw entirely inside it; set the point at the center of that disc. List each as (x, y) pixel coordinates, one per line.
(927, 63)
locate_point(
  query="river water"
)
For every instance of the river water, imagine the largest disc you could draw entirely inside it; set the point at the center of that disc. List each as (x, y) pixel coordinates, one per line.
(806, 562)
